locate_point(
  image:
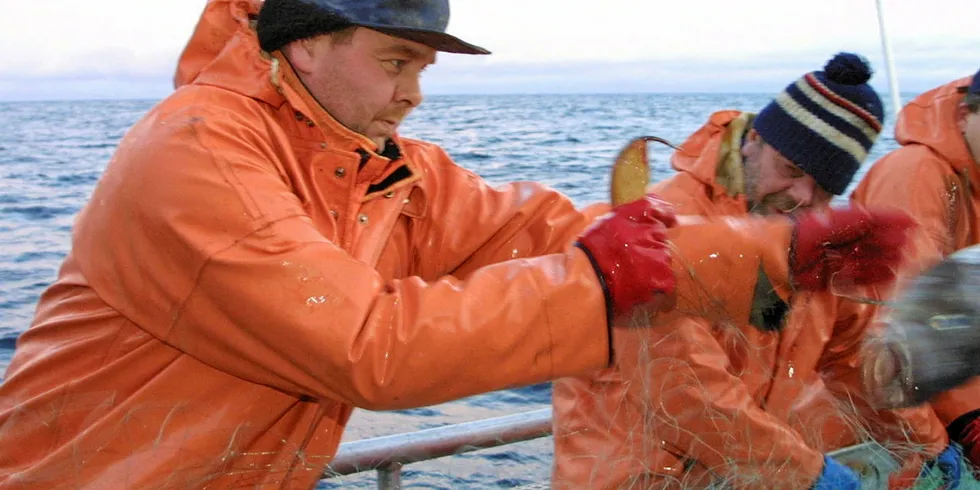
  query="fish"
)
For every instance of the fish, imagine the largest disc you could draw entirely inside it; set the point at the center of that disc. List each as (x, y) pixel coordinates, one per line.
(630, 175)
(930, 342)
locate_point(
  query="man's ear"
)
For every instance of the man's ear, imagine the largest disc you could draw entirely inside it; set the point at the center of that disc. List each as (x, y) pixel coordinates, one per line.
(753, 143)
(301, 54)
(962, 112)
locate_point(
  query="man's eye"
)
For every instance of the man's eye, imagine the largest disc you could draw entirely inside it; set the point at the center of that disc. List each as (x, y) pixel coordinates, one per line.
(398, 64)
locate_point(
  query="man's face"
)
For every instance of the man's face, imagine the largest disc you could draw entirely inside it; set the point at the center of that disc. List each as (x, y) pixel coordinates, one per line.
(366, 80)
(969, 124)
(774, 185)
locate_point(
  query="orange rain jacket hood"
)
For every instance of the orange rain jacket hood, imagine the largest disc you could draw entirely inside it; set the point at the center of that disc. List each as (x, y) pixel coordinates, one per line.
(248, 270)
(933, 177)
(708, 393)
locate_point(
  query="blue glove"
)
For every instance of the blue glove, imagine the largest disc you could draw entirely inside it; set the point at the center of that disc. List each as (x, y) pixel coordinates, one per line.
(836, 476)
(950, 463)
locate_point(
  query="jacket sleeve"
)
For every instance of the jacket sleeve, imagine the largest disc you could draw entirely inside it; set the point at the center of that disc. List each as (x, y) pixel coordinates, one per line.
(840, 367)
(680, 383)
(234, 273)
(472, 224)
(679, 376)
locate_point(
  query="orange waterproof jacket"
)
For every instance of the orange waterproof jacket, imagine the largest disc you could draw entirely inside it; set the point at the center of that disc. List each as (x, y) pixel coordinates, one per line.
(710, 393)
(933, 177)
(248, 270)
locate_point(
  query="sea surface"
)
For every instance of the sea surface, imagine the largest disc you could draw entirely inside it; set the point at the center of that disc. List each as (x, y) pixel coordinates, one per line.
(53, 153)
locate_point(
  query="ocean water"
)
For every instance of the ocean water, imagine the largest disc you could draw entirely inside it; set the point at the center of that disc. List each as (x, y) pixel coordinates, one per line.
(52, 154)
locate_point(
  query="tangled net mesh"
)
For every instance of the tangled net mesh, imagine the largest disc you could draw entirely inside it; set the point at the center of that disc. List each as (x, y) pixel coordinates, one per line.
(675, 399)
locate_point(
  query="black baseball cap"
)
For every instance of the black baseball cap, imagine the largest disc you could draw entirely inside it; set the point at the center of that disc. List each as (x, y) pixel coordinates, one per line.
(421, 21)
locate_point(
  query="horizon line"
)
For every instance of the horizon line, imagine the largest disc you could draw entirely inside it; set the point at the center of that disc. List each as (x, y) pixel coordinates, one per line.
(451, 94)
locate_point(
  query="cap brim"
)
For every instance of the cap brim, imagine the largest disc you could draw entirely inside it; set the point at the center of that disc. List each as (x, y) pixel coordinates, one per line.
(439, 41)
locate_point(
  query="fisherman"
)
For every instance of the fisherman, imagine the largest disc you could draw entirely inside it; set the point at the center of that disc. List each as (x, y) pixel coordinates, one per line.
(711, 393)
(264, 253)
(934, 176)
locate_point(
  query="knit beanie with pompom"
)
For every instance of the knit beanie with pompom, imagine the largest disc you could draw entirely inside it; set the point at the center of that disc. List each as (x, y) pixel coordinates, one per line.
(826, 121)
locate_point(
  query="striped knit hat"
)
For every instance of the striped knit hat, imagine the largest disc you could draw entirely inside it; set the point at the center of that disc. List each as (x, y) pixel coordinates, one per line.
(974, 87)
(826, 121)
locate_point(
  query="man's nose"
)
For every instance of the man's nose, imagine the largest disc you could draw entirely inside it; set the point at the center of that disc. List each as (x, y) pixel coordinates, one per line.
(410, 91)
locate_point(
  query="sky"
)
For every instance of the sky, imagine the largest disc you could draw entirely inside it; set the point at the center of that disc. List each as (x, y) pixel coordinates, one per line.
(111, 49)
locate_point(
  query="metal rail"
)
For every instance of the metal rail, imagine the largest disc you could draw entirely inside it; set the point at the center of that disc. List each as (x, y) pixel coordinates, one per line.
(388, 454)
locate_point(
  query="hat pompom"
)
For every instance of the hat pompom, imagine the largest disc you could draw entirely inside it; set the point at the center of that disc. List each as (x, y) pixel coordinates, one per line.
(848, 69)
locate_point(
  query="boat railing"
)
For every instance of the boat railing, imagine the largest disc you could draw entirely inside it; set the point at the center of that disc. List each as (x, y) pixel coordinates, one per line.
(388, 454)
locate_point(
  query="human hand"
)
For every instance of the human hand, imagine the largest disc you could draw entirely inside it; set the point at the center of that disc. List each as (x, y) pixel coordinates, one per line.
(628, 250)
(836, 476)
(850, 245)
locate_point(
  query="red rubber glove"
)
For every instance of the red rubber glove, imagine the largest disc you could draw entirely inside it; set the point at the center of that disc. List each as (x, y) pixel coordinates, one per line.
(629, 252)
(969, 438)
(849, 245)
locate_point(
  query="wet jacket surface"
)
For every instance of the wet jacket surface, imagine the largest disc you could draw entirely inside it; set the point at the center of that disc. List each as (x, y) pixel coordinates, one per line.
(248, 271)
(716, 391)
(933, 177)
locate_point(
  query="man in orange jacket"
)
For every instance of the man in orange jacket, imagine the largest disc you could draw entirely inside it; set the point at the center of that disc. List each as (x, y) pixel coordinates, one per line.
(713, 392)
(264, 253)
(935, 177)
